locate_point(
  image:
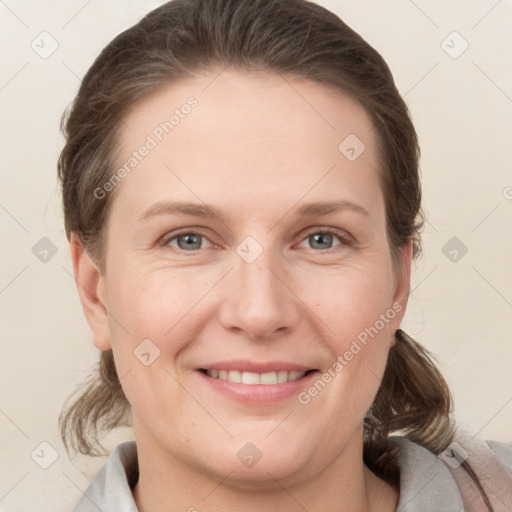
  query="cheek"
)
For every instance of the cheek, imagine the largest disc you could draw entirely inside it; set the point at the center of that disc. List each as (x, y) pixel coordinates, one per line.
(155, 304)
(153, 319)
(163, 304)
(355, 313)
(351, 301)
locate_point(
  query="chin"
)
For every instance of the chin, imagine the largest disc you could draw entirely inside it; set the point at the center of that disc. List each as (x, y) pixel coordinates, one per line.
(261, 462)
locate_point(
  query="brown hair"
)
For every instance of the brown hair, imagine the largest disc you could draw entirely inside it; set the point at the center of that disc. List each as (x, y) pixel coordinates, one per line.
(290, 37)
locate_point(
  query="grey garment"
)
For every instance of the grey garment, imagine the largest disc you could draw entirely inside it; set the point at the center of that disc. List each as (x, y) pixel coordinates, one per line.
(426, 483)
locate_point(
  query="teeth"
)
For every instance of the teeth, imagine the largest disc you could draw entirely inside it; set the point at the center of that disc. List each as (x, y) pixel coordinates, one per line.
(255, 378)
(282, 376)
(248, 377)
(235, 376)
(268, 378)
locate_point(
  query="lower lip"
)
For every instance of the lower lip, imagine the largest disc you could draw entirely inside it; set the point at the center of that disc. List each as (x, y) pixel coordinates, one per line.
(260, 393)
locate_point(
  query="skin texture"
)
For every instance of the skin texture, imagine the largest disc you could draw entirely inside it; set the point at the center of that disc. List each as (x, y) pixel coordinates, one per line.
(257, 149)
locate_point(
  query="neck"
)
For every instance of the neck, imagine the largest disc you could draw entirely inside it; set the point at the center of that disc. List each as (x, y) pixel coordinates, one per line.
(171, 485)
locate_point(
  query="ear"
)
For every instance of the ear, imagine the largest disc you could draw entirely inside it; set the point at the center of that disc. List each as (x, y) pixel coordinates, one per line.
(402, 283)
(91, 289)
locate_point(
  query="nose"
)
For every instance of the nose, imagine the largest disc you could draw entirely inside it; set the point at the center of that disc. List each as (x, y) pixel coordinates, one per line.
(259, 299)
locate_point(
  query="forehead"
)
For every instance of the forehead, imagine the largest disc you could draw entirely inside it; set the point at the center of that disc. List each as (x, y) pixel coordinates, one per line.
(259, 133)
(254, 101)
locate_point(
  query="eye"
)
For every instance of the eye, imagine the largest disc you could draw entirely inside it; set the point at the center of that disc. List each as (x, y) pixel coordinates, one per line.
(186, 241)
(322, 238)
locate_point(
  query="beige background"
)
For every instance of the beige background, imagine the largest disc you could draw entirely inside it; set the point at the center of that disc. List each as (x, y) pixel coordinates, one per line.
(461, 310)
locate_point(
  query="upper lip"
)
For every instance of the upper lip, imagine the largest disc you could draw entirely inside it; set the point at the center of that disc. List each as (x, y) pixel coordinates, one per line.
(255, 366)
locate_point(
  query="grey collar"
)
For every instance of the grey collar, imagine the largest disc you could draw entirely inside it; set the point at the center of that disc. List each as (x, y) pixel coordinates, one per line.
(425, 481)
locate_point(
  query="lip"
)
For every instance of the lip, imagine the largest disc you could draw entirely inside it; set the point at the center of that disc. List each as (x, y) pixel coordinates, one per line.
(256, 367)
(261, 394)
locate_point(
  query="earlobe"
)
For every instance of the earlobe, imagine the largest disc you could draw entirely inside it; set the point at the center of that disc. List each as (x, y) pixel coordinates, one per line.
(91, 290)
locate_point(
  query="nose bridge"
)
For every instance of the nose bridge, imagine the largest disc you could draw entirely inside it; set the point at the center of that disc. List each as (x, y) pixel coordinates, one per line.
(257, 301)
(258, 276)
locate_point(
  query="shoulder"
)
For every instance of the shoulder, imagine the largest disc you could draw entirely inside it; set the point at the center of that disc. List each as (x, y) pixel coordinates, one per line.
(503, 451)
(111, 487)
(426, 483)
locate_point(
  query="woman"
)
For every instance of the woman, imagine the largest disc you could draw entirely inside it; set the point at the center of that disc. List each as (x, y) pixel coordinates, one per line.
(242, 199)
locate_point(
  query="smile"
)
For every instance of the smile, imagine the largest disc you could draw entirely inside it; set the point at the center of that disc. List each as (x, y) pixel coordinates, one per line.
(251, 378)
(256, 382)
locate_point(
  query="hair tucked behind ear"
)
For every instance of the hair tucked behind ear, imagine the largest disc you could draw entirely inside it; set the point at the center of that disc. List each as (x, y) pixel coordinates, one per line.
(101, 406)
(413, 400)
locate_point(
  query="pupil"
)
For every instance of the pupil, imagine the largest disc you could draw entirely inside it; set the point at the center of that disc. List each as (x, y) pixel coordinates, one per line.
(323, 237)
(318, 240)
(190, 240)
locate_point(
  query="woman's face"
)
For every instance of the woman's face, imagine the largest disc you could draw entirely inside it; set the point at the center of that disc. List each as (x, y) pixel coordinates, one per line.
(243, 280)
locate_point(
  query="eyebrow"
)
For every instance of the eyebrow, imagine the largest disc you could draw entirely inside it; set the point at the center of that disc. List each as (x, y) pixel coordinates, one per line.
(323, 208)
(179, 207)
(205, 211)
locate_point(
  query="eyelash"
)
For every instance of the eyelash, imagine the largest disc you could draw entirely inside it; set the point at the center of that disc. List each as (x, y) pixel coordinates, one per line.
(344, 239)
